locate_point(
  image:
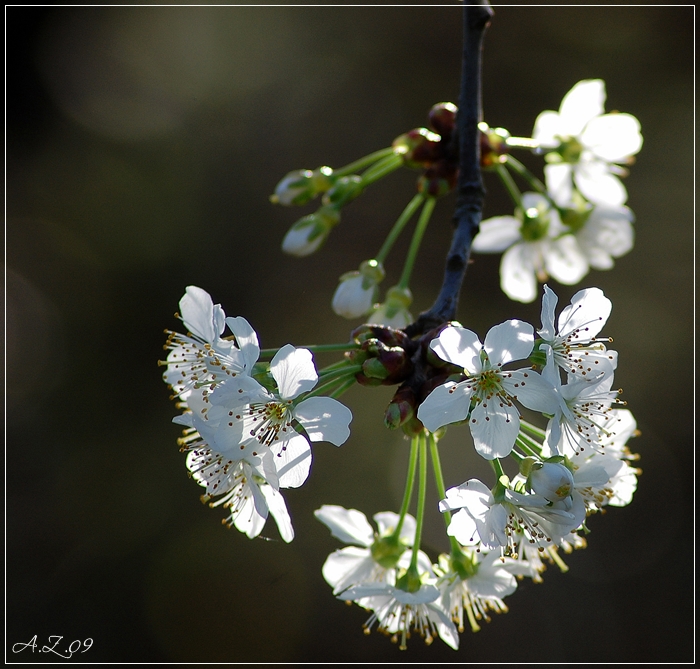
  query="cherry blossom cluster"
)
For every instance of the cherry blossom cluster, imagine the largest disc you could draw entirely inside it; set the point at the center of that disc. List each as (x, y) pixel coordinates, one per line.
(247, 423)
(250, 415)
(577, 219)
(565, 472)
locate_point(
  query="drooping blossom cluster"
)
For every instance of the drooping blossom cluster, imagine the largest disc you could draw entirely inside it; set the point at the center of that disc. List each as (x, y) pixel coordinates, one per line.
(575, 467)
(246, 440)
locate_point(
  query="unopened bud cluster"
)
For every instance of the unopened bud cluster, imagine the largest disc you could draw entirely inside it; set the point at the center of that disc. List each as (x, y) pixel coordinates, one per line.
(432, 150)
(389, 357)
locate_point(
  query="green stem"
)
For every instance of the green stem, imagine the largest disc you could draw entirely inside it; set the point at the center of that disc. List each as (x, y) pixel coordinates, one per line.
(408, 491)
(400, 224)
(340, 390)
(340, 364)
(517, 456)
(314, 348)
(437, 470)
(497, 468)
(380, 169)
(339, 371)
(333, 380)
(523, 142)
(531, 179)
(421, 226)
(532, 429)
(508, 182)
(361, 163)
(420, 510)
(528, 445)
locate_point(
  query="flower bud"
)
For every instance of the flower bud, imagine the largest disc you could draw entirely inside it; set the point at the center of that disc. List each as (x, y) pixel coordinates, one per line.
(390, 364)
(401, 409)
(493, 144)
(309, 232)
(552, 480)
(344, 190)
(356, 291)
(386, 335)
(301, 186)
(441, 118)
(419, 147)
(413, 427)
(439, 179)
(394, 311)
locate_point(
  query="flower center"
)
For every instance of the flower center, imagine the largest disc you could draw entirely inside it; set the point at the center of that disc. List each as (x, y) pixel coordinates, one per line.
(487, 384)
(269, 420)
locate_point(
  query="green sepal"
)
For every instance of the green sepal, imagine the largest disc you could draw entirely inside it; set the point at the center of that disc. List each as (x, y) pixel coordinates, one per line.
(465, 566)
(387, 551)
(410, 581)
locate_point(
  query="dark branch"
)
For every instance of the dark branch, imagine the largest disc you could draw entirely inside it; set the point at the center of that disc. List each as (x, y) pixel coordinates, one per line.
(470, 187)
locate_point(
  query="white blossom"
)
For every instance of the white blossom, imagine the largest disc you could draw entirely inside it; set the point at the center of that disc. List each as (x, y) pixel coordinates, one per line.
(202, 355)
(587, 146)
(482, 520)
(358, 563)
(482, 592)
(494, 419)
(584, 403)
(574, 340)
(250, 416)
(535, 246)
(397, 612)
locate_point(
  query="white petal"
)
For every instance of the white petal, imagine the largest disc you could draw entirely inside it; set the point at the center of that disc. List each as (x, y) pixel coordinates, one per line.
(613, 137)
(512, 340)
(494, 428)
(549, 304)
(547, 130)
(246, 338)
(347, 567)
(278, 509)
(292, 460)
(496, 234)
(518, 273)
(447, 404)
(608, 234)
(585, 317)
(349, 525)
(324, 419)
(251, 513)
(473, 495)
(492, 527)
(447, 630)
(459, 346)
(553, 434)
(463, 528)
(200, 315)
(580, 105)
(294, 371)
(560, 187)
(387, 522)
(238, 391)
(531, 390)
(565, 261)
(598, 185)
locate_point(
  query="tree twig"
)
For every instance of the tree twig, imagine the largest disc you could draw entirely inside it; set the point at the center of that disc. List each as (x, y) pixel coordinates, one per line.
(470, 187)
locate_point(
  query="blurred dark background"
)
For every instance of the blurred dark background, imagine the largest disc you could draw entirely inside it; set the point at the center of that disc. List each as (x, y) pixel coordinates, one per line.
(142, 146)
